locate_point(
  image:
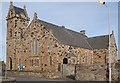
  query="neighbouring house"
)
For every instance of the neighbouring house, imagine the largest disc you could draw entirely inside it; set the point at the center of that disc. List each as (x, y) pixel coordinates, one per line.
(2, 68)
(43, 46)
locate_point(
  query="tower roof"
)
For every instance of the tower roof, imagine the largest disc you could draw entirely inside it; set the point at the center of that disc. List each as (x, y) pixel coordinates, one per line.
(19, 10)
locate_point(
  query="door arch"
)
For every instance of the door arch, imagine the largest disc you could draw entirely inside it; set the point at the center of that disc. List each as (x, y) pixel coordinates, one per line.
(10, 63)
(65, 61)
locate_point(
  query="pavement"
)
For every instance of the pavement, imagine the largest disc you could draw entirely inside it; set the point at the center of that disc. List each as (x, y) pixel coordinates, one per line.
(3, 78)
(41, 79)
(30, 78)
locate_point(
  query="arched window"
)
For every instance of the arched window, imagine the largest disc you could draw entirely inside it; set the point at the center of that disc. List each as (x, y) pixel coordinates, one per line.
(91, 58)
(21, 33)
(35, 46)
(31, 62)
(19, 62)
(10, 32)
(49, 47)
(30, 48)
(10, 63)
(50, 60)
(36, 62)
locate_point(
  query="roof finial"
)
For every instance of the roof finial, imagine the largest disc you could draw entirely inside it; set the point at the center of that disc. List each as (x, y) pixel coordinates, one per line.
(25, 11)
(24, 7)
(112, 32)
(35, 15)
(11, 3)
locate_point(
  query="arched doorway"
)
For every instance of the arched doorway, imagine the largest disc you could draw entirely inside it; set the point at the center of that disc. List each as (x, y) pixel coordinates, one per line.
(65, 61)
(10, 63)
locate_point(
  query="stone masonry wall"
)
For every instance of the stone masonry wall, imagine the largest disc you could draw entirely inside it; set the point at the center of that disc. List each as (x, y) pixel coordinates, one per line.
(95, 73)
(91, 72)
(39, 74)
(100, 56)
(68, 70)
(117, 66)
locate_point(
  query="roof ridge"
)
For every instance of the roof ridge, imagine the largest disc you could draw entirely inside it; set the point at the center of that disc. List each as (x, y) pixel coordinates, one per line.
(98, 36)
(49, 23)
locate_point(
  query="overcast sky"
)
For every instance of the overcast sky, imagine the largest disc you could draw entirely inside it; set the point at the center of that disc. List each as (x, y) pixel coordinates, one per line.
(89, 16)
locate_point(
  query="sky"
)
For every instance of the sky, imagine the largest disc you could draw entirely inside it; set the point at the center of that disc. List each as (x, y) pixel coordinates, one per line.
(89, 16)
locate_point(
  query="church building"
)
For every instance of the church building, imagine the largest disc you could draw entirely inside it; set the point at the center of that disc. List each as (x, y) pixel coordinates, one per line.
(43, 46)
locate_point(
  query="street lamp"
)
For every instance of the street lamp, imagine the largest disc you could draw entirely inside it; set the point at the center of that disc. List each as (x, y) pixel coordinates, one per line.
(103, 3)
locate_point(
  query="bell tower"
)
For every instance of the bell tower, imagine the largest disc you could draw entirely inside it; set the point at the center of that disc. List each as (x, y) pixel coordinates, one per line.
(17, 22)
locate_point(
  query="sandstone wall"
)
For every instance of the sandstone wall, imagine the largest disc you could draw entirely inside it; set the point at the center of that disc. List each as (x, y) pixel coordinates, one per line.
(40, 74)
(100, 56)
(117, 66)
(95, 73)
(91, 72)
(68, 70)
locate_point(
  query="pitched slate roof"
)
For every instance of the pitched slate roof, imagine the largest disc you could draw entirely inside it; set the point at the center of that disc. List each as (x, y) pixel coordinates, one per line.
(99, 42)
(67, 36)
(19, 10)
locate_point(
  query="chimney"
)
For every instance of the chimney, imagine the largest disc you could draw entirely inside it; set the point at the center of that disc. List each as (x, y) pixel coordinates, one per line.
(82, 32)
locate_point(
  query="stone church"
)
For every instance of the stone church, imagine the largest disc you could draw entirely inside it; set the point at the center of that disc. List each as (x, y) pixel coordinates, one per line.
(43, 46)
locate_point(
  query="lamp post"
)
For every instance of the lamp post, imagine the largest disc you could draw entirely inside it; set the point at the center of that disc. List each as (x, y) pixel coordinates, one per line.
(103, 3)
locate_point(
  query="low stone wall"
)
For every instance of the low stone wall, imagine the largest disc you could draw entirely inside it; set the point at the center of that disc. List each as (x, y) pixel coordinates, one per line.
(46, 74)
(91, 72)
(95, 73)
(68, 70)
(43, 74)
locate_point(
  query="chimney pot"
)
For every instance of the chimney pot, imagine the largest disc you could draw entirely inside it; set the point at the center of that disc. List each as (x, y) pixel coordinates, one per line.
(82, 32)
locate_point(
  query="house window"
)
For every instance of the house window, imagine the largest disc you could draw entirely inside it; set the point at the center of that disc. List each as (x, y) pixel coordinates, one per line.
(10, 32)
(35, 46)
